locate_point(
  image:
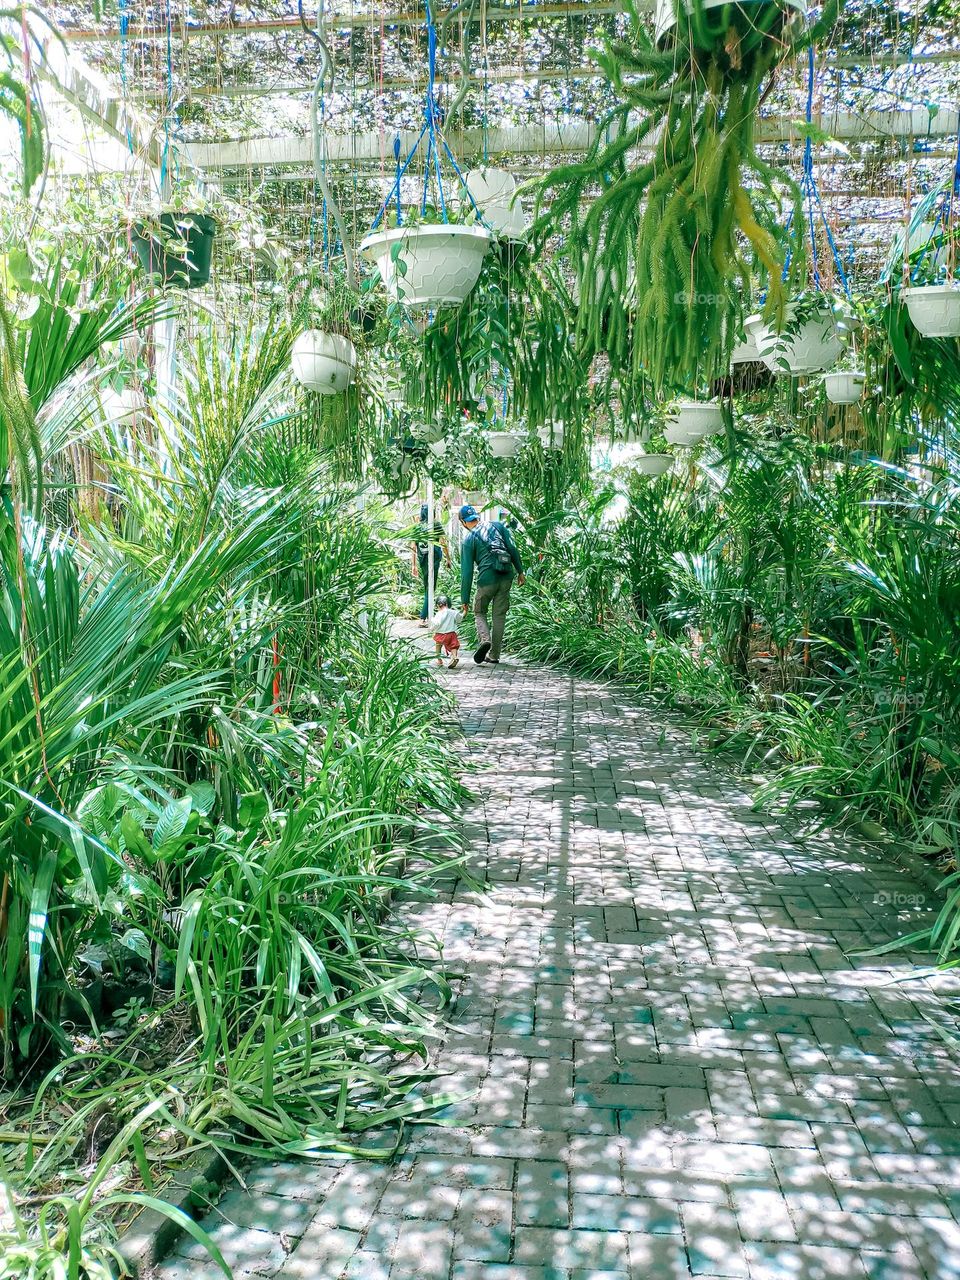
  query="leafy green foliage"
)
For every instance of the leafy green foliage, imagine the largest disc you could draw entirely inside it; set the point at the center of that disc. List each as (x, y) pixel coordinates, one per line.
(668, 250)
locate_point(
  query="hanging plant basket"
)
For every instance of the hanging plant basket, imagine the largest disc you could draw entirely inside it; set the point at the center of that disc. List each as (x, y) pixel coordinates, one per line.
(653, 464)
(493, 192)
(122, 408)
(813, 346)
(187, 270)
(665, 18)
(845, 387)
(935, 308)
(428, 266)
(551, 435)
(747, 351)
(674, 433)
(323, 362)
(698, 417)
(503, 444)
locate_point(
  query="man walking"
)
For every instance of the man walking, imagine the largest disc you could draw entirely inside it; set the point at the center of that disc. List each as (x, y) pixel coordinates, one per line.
(491, 550)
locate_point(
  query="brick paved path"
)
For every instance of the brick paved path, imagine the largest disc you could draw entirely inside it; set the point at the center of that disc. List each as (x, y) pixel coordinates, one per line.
(681, 1067)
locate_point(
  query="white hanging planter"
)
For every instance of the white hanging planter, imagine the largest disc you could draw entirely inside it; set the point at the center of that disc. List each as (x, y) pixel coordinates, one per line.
(699, 417)
(440, 263)
(122, 408)
(503, 444)
(132, 345)
(935, 308)
(666, 11)
(747, 351)
(815, 346)
(844, 387)
(551, 435)
(323, 362)
(494, 193)
(653, 464)
(674, 433)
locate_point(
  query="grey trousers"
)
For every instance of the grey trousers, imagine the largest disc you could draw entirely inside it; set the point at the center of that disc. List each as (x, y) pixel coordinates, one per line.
(496, 599)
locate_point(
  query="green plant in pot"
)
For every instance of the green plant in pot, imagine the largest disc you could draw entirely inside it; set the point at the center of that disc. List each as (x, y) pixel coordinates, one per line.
(810, 337)
(173, 239)
(698, 217)
(431, 256)
(336, 324)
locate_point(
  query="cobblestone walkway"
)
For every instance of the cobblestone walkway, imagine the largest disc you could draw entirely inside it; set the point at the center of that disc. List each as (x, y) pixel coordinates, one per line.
(680, 1064)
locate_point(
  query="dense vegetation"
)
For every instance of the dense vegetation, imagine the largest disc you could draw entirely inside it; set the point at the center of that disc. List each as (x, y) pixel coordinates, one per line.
(806, 610)
(215, 763)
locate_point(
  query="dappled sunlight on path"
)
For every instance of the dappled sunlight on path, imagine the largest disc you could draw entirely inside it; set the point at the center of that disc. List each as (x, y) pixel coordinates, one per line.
(678, 1061)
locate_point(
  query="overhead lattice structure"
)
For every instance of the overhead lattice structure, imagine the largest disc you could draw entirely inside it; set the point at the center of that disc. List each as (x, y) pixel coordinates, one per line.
(225, 89)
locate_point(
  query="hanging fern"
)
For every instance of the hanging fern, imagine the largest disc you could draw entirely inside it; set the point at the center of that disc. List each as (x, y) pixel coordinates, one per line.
(667, 252)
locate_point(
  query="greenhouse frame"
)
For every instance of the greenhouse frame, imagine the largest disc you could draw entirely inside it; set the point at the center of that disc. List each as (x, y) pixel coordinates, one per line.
(479, 640)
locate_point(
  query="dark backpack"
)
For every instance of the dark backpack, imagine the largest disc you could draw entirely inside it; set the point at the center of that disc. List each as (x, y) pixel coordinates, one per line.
(496, 544)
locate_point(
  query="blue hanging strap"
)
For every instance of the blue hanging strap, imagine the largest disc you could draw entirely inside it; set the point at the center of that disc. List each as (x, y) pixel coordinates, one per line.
(435, 144)
(396, 180)
(124, 13)
(810, 197)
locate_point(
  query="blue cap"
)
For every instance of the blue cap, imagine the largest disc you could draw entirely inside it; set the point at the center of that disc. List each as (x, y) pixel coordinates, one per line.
(469, 512)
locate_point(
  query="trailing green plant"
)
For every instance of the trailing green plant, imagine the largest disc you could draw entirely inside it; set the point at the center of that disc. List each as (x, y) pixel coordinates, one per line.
(668, 250)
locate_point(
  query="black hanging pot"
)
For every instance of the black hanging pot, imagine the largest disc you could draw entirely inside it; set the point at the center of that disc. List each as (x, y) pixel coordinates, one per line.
(189, 270)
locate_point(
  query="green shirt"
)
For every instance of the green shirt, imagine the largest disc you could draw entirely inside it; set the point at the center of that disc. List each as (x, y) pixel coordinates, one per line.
(476, 553)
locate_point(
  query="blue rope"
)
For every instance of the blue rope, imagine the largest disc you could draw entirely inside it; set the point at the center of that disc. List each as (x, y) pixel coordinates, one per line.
(169, 111)
(435, 143)
(124, 33)
(810, 197)
(396, 158)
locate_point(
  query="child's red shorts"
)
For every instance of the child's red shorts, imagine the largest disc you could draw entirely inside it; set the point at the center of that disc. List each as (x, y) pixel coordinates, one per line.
(449, 639)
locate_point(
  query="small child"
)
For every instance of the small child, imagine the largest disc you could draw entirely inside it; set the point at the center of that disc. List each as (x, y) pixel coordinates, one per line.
(445, 626)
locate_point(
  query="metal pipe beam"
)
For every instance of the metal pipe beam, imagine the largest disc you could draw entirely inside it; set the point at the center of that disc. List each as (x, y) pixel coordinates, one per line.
(543, 139)
(347, 21)
(588, 71)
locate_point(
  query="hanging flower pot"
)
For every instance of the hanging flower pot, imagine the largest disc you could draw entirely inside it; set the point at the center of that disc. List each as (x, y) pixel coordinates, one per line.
(323, 362)
(187, 268)
(503, 444)
(551, 435)
(674, 433)
(653, 464)
(493, 191)
(122, 408)
(935, 308)
(845, 387)
(132, 345)
(809, 346)
(699, 417)
(747, 351)
(428, 266)
(665, 18)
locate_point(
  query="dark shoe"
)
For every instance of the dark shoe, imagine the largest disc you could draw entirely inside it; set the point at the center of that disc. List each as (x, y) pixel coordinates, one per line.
(482, 650)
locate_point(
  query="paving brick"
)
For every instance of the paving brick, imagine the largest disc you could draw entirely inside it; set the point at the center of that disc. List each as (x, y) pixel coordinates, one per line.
(678, 1066)
(542, 1194)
